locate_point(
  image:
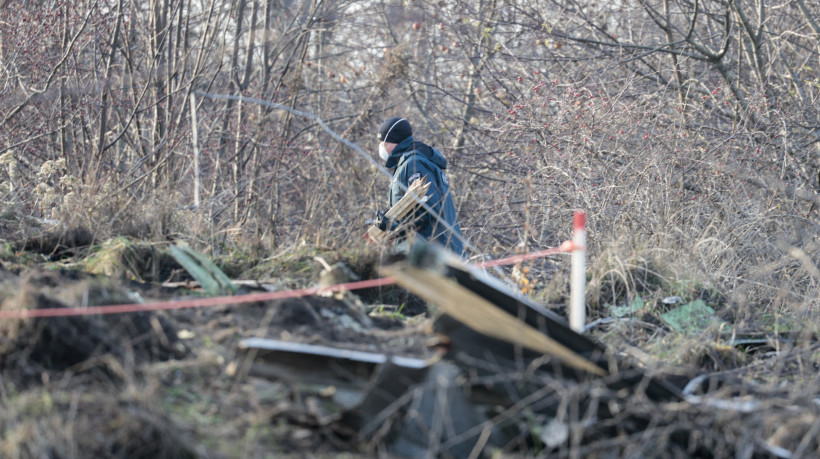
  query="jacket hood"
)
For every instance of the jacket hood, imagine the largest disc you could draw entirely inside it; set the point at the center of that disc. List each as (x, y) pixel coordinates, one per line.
(409, 147)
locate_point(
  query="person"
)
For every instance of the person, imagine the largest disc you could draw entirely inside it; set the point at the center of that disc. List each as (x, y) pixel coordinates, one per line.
(410, 160)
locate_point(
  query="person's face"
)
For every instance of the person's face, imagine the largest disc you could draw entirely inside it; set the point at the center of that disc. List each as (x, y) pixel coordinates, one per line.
(385, 148)
(389, 146)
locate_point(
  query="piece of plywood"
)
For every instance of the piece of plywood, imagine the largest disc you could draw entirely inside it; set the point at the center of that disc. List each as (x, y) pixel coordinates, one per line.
(417, 192)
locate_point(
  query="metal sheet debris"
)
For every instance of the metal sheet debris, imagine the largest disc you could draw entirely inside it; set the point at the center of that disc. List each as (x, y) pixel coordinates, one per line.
(290, 347)
(510, 376)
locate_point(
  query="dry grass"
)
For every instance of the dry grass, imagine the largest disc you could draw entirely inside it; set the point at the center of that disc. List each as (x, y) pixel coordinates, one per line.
(61, 423)
(694, 186)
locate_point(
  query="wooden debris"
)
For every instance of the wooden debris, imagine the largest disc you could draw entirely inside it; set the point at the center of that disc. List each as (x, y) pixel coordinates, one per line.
(490, 309)
(484, 317)
(514, 378)
(349, 372)
(374, 390)
(406, 206)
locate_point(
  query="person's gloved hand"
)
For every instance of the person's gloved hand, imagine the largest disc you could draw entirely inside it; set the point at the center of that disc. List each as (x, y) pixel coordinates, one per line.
(381, 221)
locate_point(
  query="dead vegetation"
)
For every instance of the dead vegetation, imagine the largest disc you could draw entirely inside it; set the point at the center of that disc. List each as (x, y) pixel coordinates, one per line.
(163, 384)
(98, 423)
(686, 131)
(36, 347)
(184, 380)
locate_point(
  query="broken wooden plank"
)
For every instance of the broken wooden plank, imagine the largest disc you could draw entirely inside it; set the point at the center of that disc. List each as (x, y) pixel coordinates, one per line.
(482, 316)
(407, 204)
(491, 309)
(477, 312)
(417, 192)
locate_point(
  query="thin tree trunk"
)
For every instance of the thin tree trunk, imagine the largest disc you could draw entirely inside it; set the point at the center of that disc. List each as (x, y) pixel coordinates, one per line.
(159, 29)
(476, 66)
(64, 124)
(232, 89)
(102, 126)
(194, 131)
(675, 64)
(239, 144)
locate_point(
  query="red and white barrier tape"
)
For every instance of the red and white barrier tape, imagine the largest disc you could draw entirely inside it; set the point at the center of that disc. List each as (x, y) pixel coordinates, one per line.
(564, 248)
(192, 303)
(568, 246)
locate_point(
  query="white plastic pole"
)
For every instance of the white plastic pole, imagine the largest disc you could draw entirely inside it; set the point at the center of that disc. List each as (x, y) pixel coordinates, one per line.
(577, 310)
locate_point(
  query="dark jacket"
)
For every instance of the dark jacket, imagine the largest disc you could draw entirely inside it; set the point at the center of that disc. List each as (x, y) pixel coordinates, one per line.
(412, 160)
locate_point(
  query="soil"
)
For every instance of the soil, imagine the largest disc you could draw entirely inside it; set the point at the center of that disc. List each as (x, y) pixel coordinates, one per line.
(164, 383)
(175, 384)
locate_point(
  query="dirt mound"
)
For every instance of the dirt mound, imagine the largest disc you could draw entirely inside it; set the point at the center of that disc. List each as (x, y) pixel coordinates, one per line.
(62, 424)
(30, 347)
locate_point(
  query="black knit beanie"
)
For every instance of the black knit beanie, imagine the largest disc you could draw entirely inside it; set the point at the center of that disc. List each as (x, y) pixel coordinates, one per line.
(394, 130)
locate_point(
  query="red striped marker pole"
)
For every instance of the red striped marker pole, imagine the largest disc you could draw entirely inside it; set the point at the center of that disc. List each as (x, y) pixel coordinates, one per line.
(577, 310)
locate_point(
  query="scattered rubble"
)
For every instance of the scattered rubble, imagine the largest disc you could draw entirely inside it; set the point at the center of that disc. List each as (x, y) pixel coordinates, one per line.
(509, 375)
(492, 373)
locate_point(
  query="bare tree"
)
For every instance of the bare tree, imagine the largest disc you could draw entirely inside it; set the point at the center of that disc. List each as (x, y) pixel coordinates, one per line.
(651, 114)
